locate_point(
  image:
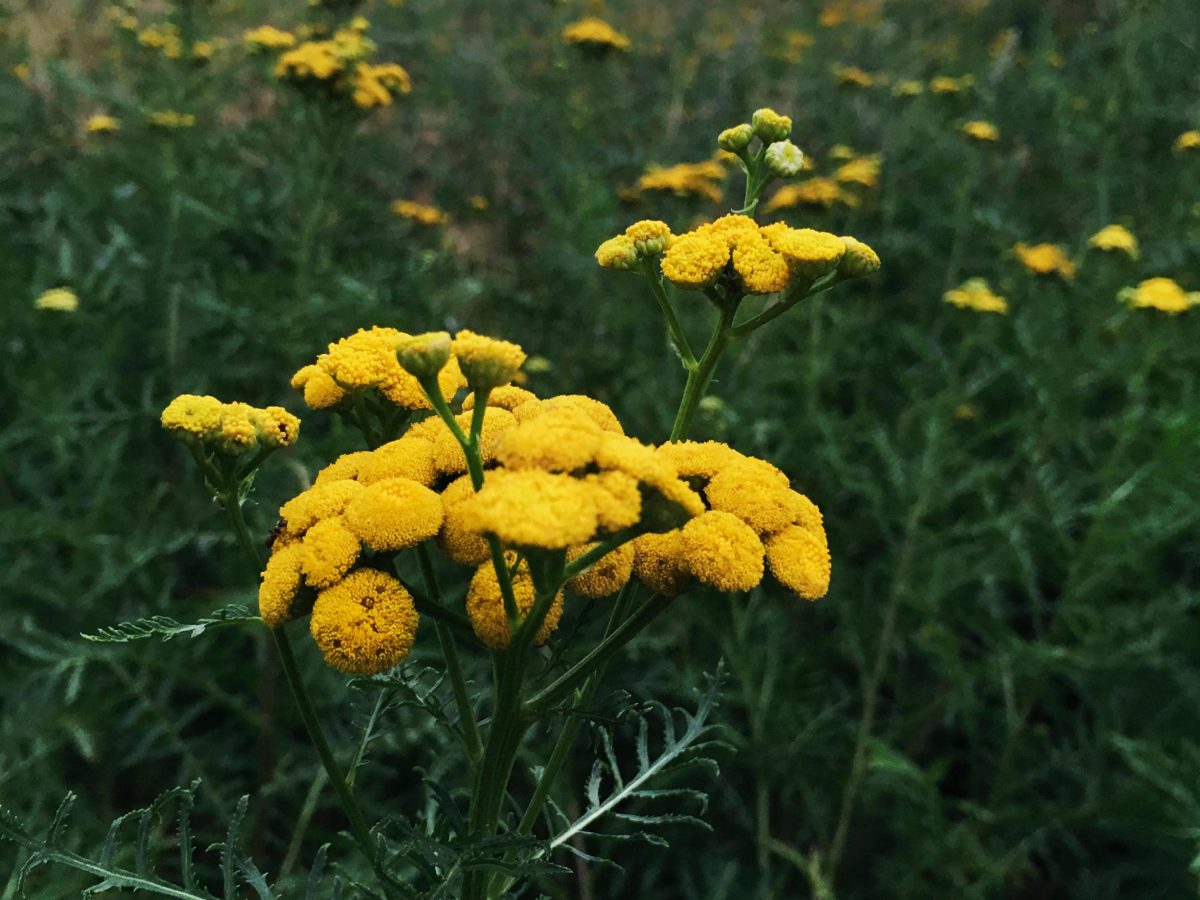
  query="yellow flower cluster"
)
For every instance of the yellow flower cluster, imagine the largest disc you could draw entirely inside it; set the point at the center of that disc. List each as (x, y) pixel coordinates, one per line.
(980, 130)
(701, 179)
(760, 259)
(641, 240)
(165, 38)
(57, 299)
(1045, 259)
(976, 294)
(863, 170)
(1189, 140)
(853, 76)
(232, 427)
(595, 34)
(366, 361)
(1162, 294)
(819, 191)
(341, 64)
(751, 516)
(420, 213)
(1113, 239)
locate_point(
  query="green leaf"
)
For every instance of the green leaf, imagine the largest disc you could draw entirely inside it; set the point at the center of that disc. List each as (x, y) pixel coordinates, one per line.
(165, 627)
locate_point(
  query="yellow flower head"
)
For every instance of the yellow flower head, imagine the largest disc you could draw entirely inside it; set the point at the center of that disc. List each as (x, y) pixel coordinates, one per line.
(598, 412)
(1189, 140)
(980, 130)
(722, 551)
(618, 252)
(317, 60)
(409, 457)
(486, 362)
(448, 456)
(267, 37)
(485, 605)
(659, 562)
(1115, 238)
(650, 236)
(328, 551)
(419, 212)
(818, 191)
(57, 299)
(756, 496)
(169, 118)
(454, 539)
(908, 88)
(702, 179)
(194, 417)
(532, 508)
(618, 499)
(325, 500)
(101, 124)
(945, 84)
(809, 253)
(853, 76)
(1045, 259)
(394, 514)
(281, 581)
(974, 293)
(561, 440)
(607, 575)
(699, 460)
(799, 560)
(695, 260)
(735, 139)
(364, 624)
(595, 33)
(862, 170)
(761, 269)
(1162, 294)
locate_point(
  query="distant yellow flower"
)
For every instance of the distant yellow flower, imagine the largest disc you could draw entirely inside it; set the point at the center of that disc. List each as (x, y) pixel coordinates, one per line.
(594, 34)
(312, 59)
(1115, 238)
(980, 130)
(795, 43)
(479, 202)
(1045, 259)
(702, 179)
(102, 124)
(58, 299)
(908, 88)
(364, 624)
(974, 293)
(1162, 294)
(853, 76)
(268, 37)
(1189, 140)
(169, 118)
(819, 191)
(419, 212)
(864, 170)
(373, 86)
(945, 84)
(966, 412)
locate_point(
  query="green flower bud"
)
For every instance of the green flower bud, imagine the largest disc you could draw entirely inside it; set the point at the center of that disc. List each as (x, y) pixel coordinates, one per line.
(424, 355)
(486, 362)
(859, 260)
(785, 159)
(735, 139)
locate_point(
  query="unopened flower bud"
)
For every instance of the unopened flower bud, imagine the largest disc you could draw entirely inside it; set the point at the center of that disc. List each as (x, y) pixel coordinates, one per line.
(735, 139)
(650, 237)
(859, 260)
(770, 126)
(424, 355)
(486, 362)
(617, 253)
(785, 159)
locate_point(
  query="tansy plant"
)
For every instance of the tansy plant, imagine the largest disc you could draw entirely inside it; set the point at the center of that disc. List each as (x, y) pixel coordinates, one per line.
(545, 505)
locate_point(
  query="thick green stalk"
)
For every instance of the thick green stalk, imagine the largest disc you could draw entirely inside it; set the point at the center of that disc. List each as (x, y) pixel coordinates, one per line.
(678, 338)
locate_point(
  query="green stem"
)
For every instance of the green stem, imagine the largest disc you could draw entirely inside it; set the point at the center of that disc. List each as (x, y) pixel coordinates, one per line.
(698, 378)
(802, 291)
(458, 684)
(679, 339)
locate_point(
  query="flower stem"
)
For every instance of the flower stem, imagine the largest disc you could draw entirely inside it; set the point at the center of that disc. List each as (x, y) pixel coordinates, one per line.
(679, 339)
(699, 378)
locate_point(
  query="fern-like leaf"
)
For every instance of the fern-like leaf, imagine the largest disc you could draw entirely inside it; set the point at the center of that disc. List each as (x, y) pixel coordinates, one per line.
(165, 627)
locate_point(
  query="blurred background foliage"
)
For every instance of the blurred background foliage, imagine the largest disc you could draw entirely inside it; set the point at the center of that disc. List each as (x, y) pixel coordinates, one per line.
(999, 697)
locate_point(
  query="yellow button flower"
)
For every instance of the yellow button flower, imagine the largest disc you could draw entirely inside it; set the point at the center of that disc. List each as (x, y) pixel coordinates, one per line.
(1045, 259)
(607, 575)
(981, 131)
(532, 508)
(1162, 294)
(799, 560)
(394, 514)
(659, 562)
(1115, 238)
(364, 624)
(485, 605)
(722, 551)
(328, 552)
(974, 293)
(325, 500)
(455, 540)
(281, 581)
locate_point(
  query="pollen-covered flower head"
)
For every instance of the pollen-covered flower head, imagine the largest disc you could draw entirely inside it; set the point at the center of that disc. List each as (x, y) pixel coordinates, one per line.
(722, 551)
(1115, 238)
(486, 362)
(394, 514)
(365, 624)
(485, 604)
(976, 294)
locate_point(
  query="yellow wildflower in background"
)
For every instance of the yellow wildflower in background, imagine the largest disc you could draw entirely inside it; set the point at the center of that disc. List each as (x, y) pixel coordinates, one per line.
(419, 212)
(819, 191)
(1045, 259)
(974, 293)
(853, 76)
(169, 118)
(57, 299)
(945, 84)
(1114, 238)
(794, 45)
(981, 130)
(268, 37)
(102, 124)
(594, 34)
(863, 170)
(1162, 294)
(1189, 140)
(909, 87)
(702, 179)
